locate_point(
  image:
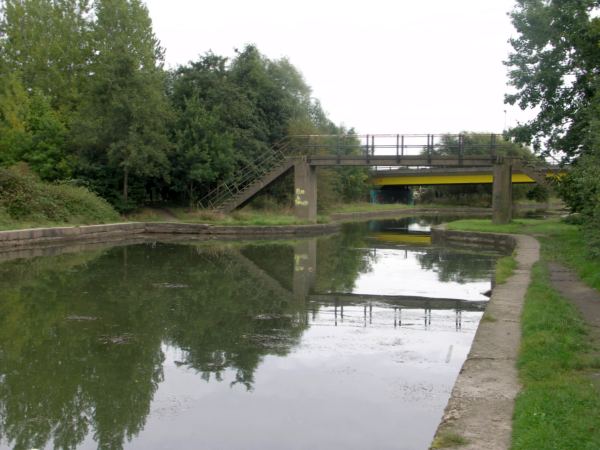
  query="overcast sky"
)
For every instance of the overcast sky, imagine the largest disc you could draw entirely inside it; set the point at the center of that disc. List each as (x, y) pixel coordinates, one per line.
(404, 66)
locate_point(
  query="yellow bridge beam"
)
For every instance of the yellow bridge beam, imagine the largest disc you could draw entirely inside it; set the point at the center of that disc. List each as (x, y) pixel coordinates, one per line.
(430, 179)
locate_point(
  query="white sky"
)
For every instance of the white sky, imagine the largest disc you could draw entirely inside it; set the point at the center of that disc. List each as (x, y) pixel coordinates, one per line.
(381, 66)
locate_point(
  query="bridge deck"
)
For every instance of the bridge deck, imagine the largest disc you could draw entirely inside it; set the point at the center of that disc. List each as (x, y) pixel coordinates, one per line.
(406, 160)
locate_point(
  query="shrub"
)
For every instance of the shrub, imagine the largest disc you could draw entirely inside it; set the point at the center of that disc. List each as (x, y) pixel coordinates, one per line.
(24, 197)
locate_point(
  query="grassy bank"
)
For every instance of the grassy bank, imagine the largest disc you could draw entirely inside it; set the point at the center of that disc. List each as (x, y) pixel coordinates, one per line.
(26, 202)
(559, 405)
(245, 217)
(560, 242)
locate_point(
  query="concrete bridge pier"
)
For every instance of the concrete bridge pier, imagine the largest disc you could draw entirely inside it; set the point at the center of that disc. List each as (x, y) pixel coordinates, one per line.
(305, 268)
(502, 192)
(305, 191)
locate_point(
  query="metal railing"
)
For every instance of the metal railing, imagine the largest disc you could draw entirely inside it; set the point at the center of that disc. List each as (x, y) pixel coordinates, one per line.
(463, 144)
(251, 173)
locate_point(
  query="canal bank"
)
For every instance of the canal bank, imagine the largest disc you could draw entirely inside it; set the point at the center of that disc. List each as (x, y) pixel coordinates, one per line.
(479, 412)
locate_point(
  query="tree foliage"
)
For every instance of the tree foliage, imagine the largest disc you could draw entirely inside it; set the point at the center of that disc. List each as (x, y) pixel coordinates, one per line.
(555, 67)
(84, 96)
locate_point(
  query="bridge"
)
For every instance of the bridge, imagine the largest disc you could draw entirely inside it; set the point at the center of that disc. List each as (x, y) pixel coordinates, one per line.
(489, 156)
(449, 176)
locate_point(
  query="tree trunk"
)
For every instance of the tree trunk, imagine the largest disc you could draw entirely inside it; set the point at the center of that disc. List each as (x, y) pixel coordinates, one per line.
(125, 184)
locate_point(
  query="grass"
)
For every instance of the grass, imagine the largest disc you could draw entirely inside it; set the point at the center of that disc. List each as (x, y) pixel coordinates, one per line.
(560, 242)
(371, 207)
(518, 226)
(367, 207)
(449, 440)
(504, 268)
(559, 405)
(244, 217)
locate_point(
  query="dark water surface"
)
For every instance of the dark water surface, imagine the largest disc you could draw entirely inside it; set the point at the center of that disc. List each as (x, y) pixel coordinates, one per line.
(340, 342)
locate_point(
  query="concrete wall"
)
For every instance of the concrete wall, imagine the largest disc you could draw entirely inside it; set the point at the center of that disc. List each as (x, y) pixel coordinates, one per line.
(21, 239)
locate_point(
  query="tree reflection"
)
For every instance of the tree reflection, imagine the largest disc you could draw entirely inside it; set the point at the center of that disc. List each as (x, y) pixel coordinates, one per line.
(81, 335)
(80, 340)
(451, 265)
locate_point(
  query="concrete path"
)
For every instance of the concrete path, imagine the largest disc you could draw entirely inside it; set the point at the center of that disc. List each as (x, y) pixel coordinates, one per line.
(481, 405)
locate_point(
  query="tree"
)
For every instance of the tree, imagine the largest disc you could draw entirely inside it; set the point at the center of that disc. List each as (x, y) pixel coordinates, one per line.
(122, 121)
(48, 43)
(554, 67)
(14, 108)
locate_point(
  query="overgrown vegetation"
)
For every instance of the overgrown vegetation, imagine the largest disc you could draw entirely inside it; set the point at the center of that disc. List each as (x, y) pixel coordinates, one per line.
(84, 96)
(449, 440)
(27, 201)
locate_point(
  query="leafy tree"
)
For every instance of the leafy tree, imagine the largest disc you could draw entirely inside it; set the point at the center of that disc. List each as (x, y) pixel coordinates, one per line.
(48, 43)
(554, 67)
(46, 150)
(14, 108)
(204, 153)
(121, 123)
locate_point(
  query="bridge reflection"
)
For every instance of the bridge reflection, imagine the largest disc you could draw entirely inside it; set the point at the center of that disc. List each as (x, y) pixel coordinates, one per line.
(353, 306)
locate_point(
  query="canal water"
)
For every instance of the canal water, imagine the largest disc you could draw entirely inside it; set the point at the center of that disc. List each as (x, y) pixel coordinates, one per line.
(349, 341)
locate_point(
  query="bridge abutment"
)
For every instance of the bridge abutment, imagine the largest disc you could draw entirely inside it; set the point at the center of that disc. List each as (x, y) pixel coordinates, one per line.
(305, 191)
(502, 192)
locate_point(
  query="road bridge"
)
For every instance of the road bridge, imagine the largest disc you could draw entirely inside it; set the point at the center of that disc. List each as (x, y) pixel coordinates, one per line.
(449, 176)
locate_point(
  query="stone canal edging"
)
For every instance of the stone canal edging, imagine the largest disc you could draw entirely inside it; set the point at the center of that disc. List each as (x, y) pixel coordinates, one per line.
(481, 405)
(110, 232)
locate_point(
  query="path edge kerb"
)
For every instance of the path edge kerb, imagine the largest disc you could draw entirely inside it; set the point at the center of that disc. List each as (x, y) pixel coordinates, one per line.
(480, 407)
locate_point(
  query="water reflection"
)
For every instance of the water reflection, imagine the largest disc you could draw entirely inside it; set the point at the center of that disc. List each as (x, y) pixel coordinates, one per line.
(107, 348)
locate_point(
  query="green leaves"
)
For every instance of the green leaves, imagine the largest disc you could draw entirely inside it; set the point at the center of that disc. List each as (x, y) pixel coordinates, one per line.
(554, 67)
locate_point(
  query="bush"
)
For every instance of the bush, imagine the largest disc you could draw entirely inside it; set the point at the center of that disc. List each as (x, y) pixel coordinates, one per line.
(24, 198)
(581, 191)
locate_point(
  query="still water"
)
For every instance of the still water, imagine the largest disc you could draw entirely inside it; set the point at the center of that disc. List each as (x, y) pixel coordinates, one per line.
(350, 341)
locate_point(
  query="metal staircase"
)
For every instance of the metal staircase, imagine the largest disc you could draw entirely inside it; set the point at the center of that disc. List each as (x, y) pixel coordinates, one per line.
(249, 180)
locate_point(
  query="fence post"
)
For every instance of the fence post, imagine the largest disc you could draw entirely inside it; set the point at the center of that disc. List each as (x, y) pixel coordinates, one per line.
(429, 145)
(402, 145)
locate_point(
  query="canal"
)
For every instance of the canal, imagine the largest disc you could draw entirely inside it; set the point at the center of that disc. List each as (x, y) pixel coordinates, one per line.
(348, 341)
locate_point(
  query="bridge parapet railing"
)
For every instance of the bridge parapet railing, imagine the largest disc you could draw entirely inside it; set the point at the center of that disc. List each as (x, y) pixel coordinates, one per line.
(430, 145)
